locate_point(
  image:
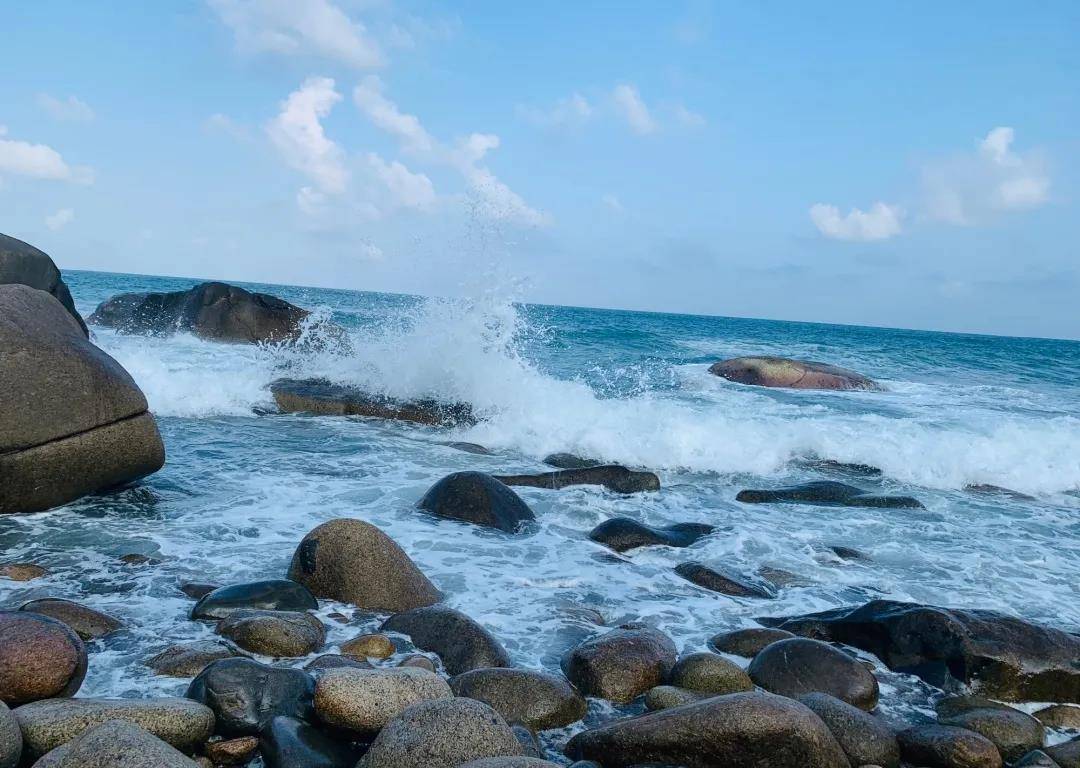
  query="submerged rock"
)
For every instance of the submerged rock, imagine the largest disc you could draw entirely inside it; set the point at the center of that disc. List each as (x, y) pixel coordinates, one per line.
(24, 264)
(1000, 656)
(285, 634)
(800, 666)
(246, 695)
(22, 571)
(570, 461)
(741, 730)
(611, 476)
(40, 658)
(623, 534)
(287, 742)
(74, 421)
(840, 467)
(944, 746)
(189, 659)
(213, 311)
(790, 374)
(354, 562)
(984, 489)
(363, 701)
(117, 744)
(270, 595)
(322, 397)
(538, 700)
(622, 664)
(459, 641)
(747, 642)
(723, 581)
(475, 497)
(865, 739)
(87, 623)
(826, 493)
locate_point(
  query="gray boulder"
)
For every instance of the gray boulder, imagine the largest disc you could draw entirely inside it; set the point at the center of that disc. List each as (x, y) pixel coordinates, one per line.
(622, 664)
(537, 700)
(116, 744)
(10, 738)
(790, 374)
(478, 498)
(363, 701)
(865, 739)
(827, 493)
(74, 422)
(459, 641)
(800, 666)
(23, 263)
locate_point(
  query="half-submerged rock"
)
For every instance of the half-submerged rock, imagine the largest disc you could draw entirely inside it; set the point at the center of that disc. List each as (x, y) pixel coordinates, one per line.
(999, 656)
(322, 397)
(790, 374)
(268, 595)
(474, 497)
(614, 477)
(724, 581)
(623, 534)
(213, 311)
(73, 421)
(826, 493)
(461, 642)
(799, 666)
(23, 263)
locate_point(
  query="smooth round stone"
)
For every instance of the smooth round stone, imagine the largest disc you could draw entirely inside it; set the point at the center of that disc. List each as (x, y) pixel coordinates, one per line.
(709, 673)
(537, 700)
(116, 744)
(40, 658)
(274, 633)
(269, 595)
(477, 498)
(1060, 716)
(87, 623)
(246, 695)
(365, 700)
(370, 646)
(668, 696)
(461, 642)
(800, 666)
(865, 739)
(336, 661)
(418, 661)
(747, 642)
(622, 664)
(1013, 732)
(946, 746)
(237, 751)
(189, 659)
(10, 738)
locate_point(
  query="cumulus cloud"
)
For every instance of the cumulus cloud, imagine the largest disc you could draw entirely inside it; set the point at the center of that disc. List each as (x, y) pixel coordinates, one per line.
(299, 27)
(881, 222)
(297, 134)
(994, 179)
(570, 112)
(630, 106)
(60, 219)
(38, 161)
(71, 109)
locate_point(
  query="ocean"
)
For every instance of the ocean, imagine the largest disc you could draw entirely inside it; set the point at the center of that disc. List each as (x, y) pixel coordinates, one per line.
(242, 484)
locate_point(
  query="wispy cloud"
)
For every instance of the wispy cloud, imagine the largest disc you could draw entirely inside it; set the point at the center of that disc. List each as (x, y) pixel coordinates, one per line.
(568, 113)
(60, 219)
(38, 161)
(881, 222)
(630, 106)
(71, 109)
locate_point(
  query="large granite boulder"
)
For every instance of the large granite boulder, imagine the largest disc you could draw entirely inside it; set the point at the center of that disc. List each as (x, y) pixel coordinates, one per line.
(865, 739)
(40, 658)
(999, 656)
(623, 534)
(538, 700)
(790, 374)
(622, 664)
(116, 744)
(826, 493)
(354, 562)
(363, 701)
(461, 643)
(474, 497)
(740, 730)
(611, 476)
(269, 595)
(246, 695)
(214, 311)
(23, 263)
(324, 398)
(87, 623)
(800, 666)
(946, 746)
(73, 420)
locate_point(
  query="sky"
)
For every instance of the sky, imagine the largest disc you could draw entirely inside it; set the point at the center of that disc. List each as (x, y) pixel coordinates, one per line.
(893, 164)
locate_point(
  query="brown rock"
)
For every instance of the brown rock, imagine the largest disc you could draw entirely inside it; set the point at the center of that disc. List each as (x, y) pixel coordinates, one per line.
(537, 700)
(622, 664)
(87, 623)
(274, 633)
(363, 701)
(1060, 716)
(791, 374)
(189, 659)
(22, 571)
(239, 751)
(945, 746)
(709, 673)
(370, 646)
(800, 666)
(40, 658)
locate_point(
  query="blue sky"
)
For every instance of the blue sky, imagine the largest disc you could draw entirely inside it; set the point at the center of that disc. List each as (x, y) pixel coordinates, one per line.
(903, 164)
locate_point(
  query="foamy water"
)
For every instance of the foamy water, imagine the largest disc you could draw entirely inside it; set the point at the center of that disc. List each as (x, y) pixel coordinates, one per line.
(242, 486)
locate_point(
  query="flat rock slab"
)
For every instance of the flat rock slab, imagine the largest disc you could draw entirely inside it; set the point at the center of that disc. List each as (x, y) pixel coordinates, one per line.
(790, 374)
(826, 493)
(623, 534)
(320, 396)
(611, 476)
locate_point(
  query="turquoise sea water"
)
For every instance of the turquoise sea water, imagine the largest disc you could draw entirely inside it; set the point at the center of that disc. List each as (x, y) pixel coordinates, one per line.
(243, 484)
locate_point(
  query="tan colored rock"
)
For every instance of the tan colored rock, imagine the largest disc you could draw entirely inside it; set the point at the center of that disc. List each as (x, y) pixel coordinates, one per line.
(370, 646)
(365, 700)
(40, 658)
(22, 571)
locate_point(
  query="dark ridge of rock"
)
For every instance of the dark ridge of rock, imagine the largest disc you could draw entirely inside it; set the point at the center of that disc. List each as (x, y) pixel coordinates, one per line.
(850, 553)
(570, 461)
(826, 493)
(461, 643)
(474, 448)
(623, 534)
(999, 656)
(747, 642)
(212, 311)
(74, 422)
(320, 396)
(611, 476)
(790, 374)
(944, 746)
(723, 581)
(622, 664)
(197, 590)
(799, 666)
(853, 469)
(40, 658)
(475, 497)
(246, 695)
(740, 730)
(87, 623)
(985, 489)
(24, 264)
(269, 595)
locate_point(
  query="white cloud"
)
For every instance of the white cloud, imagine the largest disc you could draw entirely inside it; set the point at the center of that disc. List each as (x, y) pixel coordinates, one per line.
(969, 189)
(406, 189)
(687, 117)
(298, 135)
(881, 222)
(384, 114)
(60, 219)
(570, 112)
(632, 109)
(70, 109)
(38, 161)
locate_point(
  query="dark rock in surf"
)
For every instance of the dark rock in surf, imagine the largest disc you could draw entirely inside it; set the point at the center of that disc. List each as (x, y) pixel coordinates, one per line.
(741, 730)
(212, 311)
(354, 562)
(40, 658)
(87, 623)
(1066, 754)
(790, 374)
(622, 664)
(865, 739)
(747, 642)
(288, 742)
(623, 534)
(611, 476)
(854, 469)
(74, 421)
(1013, 732)
(197, 590)
(459, 641)
(850, 553)
(944, 746)
(24, 264)
(246, 695)
(538, 700)
(474, 448)
(826, 493)
(189, 659)
(984, 489)
(474, 497)
(999, 656)
(283, 634)
(800, 666)
(270, 595)
(570, 461)
(723, 581)
(321, 397)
